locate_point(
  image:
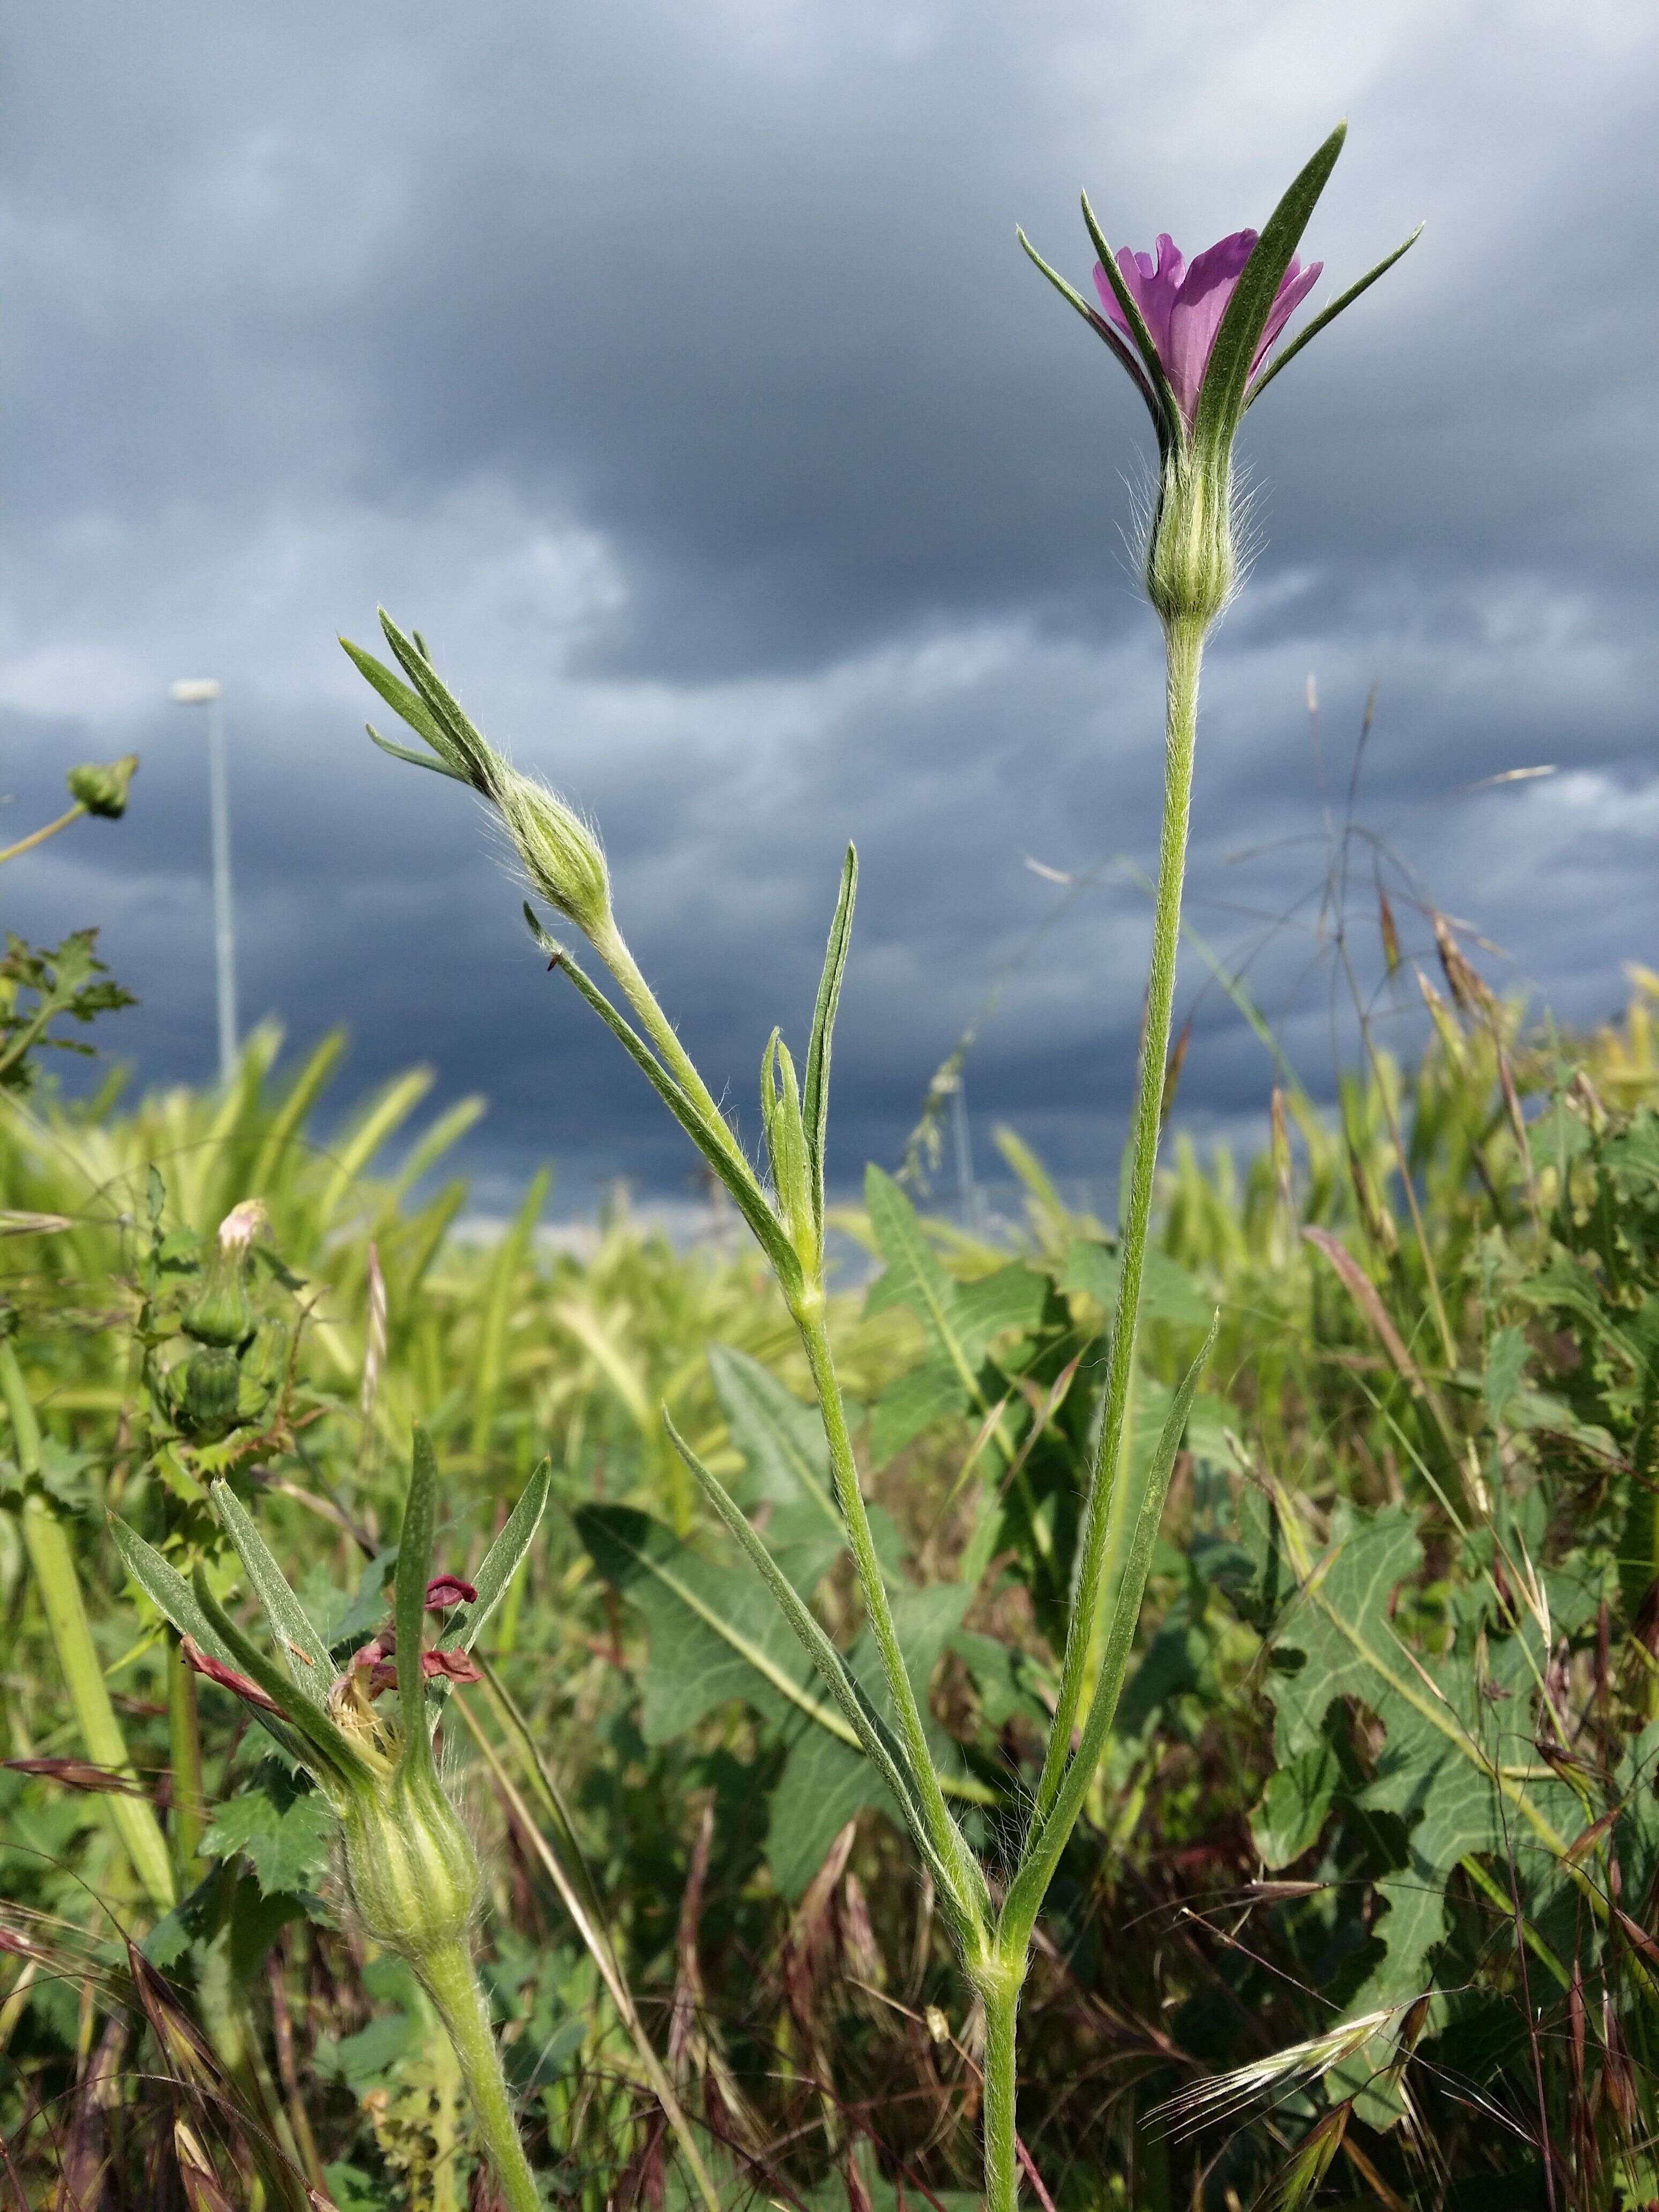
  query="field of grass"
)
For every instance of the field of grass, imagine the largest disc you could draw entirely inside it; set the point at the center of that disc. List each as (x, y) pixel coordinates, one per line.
(1376, 1824)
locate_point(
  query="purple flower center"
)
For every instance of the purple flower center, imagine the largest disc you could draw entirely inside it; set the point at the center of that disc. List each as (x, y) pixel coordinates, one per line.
(1182, 303)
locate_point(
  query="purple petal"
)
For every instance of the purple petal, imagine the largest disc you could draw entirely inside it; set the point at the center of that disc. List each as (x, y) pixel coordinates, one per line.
(1209, 286)
(1293, 289)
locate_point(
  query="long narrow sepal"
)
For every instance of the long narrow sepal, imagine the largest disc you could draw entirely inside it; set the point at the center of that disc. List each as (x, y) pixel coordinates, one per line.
(456, 738)
(1327, 316)
(750, 1199)
(815, 1098)
(1227, 374)
(500, 1563)
(1049, 1833)
(416, 760)
(1101, 329)
(304, 1652)
(323, 1745)
(1174, 432)
(880, 1746)
(405, 703)
(415, 1541)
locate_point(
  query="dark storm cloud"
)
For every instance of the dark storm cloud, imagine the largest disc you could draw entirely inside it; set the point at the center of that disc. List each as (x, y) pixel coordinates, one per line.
(675, 369)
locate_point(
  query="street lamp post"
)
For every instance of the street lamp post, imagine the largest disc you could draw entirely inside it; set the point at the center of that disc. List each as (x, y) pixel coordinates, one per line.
(207, 691)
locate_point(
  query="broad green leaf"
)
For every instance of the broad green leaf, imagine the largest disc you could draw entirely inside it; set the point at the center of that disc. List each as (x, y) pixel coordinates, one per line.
(911, 1403)
(782, 1440)
(1168, 1293)
(1506, 1359)
(304, 1652)
(916, 1277)
(1295, 1805)
(714, 1633)
(1458, 1764)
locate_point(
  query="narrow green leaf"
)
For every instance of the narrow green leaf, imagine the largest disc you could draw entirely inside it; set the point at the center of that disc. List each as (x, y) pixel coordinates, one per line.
(879, 1745)
(456, 736)
(1171, 428)
(1221, 402)
(1049, 1837)
(1101, 329)
(503, 1560)
(414, 759)
(1328, 315)
(415, 1541)
(816, 1096)
(750, 1199)
(322, 1744)
(304, 1652)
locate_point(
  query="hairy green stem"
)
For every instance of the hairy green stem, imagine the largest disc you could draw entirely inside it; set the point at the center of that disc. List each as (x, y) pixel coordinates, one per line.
(999, 1994)
(948, 1842)
(450, 1981)
(185, 1754)
(1185, 643)
(133, 1819)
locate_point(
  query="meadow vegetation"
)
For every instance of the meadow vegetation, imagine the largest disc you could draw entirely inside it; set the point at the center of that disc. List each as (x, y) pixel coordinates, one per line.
(1380, 1787)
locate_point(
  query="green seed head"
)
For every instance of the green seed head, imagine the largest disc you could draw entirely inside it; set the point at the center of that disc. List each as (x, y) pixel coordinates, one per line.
(410, 1865)
(102, 788)
(221, 1314)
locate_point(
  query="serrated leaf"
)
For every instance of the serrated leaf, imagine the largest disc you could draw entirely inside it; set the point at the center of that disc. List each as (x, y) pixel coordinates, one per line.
(285, 1846)
(1457, 1763)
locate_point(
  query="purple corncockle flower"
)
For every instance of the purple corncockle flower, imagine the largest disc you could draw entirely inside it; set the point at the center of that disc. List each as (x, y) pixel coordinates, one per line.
(1182, 303)
(204, 1663)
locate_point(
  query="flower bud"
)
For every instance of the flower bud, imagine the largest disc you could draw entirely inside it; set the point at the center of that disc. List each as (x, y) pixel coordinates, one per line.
(221, 1314)
(409, 1863)
(102, 789)
(561, 854)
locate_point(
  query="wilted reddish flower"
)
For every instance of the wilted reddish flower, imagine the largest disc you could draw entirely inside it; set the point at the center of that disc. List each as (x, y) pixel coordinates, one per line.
(453, 1666)
(227, 1678)
(1182, 303)
(445, 1590)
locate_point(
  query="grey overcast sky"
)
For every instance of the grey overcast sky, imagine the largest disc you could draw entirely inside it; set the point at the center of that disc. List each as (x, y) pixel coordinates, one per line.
(675, 369)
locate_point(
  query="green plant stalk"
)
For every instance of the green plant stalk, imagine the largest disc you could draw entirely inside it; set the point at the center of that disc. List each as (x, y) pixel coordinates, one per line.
(999, 1994)
(1184, 639)
(449, 1980)
(40, 837)
(133, 1819)
(947, 1837)
(185, 1754)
